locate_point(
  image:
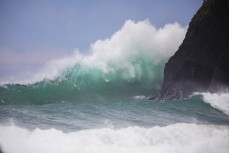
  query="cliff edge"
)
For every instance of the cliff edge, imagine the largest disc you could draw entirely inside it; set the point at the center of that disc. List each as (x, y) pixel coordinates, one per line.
(202, 60)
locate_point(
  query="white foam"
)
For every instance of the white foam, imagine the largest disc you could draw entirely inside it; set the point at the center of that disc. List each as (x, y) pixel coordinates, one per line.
(217, 100)
(185, 138)
(117, 53)
(140, 97)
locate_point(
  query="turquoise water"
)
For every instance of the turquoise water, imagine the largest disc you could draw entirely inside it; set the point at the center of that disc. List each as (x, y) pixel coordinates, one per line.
(105, 122)
(82, 98)
(97, 111)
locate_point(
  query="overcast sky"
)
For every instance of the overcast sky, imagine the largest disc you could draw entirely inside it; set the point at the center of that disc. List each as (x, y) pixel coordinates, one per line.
(54, 28)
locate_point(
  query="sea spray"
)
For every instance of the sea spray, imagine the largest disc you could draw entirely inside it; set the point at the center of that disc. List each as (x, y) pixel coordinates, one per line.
(130, 63)
(134, 45)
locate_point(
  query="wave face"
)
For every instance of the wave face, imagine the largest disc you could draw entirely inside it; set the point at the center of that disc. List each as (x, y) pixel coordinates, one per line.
(131, 62)
(186, 138)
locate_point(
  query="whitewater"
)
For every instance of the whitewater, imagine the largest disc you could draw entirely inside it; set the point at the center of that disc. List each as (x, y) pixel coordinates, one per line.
(99, 102)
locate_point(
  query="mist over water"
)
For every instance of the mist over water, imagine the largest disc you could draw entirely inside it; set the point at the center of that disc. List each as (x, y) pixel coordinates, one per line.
(99, 102)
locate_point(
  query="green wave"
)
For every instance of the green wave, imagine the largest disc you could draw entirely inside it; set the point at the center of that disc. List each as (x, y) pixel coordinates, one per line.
(144, 77)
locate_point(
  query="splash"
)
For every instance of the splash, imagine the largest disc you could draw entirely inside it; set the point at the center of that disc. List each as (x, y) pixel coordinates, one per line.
(137, 48)
(130, 63)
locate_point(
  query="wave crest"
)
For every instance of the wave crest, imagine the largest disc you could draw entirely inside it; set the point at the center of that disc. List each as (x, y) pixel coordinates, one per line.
(137, 48)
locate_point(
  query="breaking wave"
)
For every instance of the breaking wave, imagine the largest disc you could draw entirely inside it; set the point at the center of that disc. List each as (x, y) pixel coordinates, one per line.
(131, 61)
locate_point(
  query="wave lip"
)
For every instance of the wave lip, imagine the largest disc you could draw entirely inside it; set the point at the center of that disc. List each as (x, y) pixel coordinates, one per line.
(219, 101)
(180, 137)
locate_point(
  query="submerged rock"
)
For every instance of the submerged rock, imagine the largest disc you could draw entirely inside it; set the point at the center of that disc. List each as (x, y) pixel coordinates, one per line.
(202, 60)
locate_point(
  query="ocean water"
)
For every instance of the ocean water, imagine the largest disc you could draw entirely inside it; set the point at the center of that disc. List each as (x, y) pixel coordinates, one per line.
(99, 103)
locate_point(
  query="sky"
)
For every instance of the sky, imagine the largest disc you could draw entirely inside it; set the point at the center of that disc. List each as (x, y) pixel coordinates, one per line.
(34, 31)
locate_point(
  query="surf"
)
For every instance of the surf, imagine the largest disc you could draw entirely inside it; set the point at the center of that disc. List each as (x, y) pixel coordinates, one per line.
(182, 137)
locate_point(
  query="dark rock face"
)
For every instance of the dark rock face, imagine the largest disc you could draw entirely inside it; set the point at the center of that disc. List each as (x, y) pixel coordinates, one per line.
(202, 61)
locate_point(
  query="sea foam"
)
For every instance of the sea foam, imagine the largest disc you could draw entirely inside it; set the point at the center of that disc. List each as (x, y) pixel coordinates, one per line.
(185, 138)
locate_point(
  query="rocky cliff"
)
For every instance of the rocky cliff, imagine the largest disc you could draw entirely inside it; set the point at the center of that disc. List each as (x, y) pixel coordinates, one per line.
(202, 61)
